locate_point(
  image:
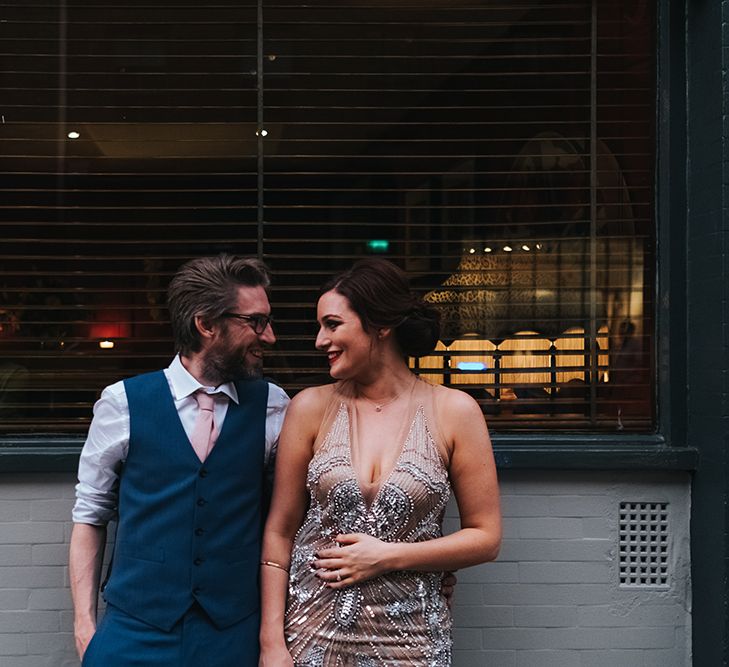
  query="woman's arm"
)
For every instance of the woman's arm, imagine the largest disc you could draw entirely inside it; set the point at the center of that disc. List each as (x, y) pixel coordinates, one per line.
(473, 478)
(286, 515)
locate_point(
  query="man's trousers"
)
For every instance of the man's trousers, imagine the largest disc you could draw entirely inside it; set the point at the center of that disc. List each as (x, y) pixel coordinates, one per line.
(124, 641)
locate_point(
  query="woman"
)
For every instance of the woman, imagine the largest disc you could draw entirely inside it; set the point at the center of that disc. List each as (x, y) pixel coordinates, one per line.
(374, 457)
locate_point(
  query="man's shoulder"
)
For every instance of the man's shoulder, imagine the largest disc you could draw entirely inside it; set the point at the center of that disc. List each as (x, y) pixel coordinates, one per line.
(276, 392)
(143, 378)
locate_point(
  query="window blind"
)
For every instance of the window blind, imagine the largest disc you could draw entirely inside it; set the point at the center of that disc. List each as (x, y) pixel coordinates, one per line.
(501, 153)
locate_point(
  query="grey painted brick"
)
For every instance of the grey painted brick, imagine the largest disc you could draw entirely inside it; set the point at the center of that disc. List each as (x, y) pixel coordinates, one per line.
(589, 549)
(15, 644)
(683, 636)
(49, 554)
(615, 615)
(541, 594)
(666, 658)
(546, 616)
(492, 572)
(29, 661)
(14, 510)
(564, 573)
(484, 659)
(548, 659)
(548, 527)
(14, 598)
(67, 618)
(467, 639)
(578, 506)
(51, 642)
(31, 577)
(557, 550)
(490, 603)
(51, 510)
(516, 550)
(451, 525)
(577, 638)
(31, 532)
(28, 621)
(596, 528)
(50, 598)
(616, 658)
(478, 616)
(36, 487)
(539, 483)
(14, 554)
(522, 506)
(468, 593)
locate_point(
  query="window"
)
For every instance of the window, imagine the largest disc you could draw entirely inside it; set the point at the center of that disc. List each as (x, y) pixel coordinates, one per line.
(503, 154)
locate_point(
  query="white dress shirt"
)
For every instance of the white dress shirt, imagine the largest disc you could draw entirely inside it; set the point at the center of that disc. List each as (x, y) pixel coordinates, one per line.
(107, 443)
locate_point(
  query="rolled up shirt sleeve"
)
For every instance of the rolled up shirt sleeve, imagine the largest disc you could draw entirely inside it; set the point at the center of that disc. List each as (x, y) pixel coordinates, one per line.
(101, 459)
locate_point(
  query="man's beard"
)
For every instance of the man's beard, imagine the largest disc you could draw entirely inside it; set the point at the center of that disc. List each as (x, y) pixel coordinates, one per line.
(219, 366)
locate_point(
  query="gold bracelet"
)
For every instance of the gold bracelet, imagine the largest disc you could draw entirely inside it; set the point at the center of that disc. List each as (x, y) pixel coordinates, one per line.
(270, 563)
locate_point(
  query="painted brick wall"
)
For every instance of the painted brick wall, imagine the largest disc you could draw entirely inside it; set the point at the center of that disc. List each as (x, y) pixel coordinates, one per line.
(551, 600)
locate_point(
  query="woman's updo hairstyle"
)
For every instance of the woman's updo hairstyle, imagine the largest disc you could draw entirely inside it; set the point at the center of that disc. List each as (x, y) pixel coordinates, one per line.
(379, 293)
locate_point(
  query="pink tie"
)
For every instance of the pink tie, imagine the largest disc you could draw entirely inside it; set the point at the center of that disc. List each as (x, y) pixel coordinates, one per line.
(204, 432)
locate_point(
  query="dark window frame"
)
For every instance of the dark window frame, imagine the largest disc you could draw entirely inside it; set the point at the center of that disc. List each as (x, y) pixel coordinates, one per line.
(667, 447)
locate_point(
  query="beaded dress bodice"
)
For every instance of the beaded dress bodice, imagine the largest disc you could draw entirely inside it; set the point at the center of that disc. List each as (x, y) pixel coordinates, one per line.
(396, 619)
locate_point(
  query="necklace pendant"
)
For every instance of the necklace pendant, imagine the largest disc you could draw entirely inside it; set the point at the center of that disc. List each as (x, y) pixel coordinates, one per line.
(378, 408)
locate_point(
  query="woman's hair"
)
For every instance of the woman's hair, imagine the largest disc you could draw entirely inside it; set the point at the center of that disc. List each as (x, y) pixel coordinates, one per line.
(379, 293)
(208, 286)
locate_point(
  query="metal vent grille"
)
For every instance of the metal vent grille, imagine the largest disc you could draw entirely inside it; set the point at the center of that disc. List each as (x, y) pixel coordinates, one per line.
(643, 535)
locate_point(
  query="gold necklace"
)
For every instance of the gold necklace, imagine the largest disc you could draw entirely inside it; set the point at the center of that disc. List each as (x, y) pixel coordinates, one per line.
(379, 405)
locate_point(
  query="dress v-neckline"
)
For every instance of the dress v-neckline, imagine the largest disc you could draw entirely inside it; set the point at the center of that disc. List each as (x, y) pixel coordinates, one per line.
(386, 477)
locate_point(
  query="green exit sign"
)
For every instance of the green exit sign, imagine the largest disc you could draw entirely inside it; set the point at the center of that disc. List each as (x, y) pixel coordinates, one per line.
(378, 245)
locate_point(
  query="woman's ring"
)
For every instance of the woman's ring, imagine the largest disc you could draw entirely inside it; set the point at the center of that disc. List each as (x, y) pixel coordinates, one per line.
(339, 576)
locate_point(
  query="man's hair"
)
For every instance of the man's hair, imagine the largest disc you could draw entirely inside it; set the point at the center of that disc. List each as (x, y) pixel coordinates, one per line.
(208, 287)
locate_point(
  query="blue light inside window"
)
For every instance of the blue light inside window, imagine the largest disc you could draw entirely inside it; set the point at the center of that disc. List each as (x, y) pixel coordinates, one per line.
(471, 366)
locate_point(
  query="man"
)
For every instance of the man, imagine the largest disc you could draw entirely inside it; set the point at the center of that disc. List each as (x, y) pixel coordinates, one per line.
(179, 456)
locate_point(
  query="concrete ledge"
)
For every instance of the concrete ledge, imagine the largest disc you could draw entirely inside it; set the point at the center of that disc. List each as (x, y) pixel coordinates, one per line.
(587, 451)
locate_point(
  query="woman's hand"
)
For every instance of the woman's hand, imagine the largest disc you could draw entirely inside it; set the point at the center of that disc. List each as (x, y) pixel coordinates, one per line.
(358, 557)
(275, 656)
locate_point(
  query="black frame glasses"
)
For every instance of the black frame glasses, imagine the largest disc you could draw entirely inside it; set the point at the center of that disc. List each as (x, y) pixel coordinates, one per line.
(257, 322)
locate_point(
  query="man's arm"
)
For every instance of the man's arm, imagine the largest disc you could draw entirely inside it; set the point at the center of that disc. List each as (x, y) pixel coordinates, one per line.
(84, 565)
(96, 500)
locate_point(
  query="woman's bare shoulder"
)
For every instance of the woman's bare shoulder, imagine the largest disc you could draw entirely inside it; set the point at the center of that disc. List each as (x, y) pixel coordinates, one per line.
(455, 402)
(313, 401)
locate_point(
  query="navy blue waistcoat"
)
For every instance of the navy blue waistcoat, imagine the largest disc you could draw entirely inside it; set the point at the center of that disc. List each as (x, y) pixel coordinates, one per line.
(189, 530)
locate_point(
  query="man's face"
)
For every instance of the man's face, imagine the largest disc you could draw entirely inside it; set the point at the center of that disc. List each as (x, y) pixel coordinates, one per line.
(236, 350)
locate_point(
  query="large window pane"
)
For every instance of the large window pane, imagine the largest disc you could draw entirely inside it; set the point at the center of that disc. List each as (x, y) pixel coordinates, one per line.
(503, 154)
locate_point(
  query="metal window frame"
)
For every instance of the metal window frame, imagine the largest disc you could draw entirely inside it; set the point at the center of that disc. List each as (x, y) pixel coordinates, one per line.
(664, 449)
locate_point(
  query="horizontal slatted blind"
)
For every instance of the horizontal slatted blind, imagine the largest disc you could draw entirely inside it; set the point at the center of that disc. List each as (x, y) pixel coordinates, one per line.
(163, 97)
(502, 153)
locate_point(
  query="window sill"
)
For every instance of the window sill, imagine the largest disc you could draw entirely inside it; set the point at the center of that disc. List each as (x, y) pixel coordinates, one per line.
(591, 451)
(513, 451)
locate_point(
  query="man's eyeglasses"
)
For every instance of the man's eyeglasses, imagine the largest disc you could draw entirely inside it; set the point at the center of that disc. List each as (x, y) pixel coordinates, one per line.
(258, 322)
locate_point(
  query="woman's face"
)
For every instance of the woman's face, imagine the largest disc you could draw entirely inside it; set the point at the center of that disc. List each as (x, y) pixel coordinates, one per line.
(342, 337)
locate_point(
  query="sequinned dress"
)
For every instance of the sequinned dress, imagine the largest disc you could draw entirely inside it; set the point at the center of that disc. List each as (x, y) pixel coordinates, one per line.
(399, 618)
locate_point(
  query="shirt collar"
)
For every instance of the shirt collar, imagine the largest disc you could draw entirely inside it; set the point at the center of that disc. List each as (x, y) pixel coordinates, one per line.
(184, 385)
